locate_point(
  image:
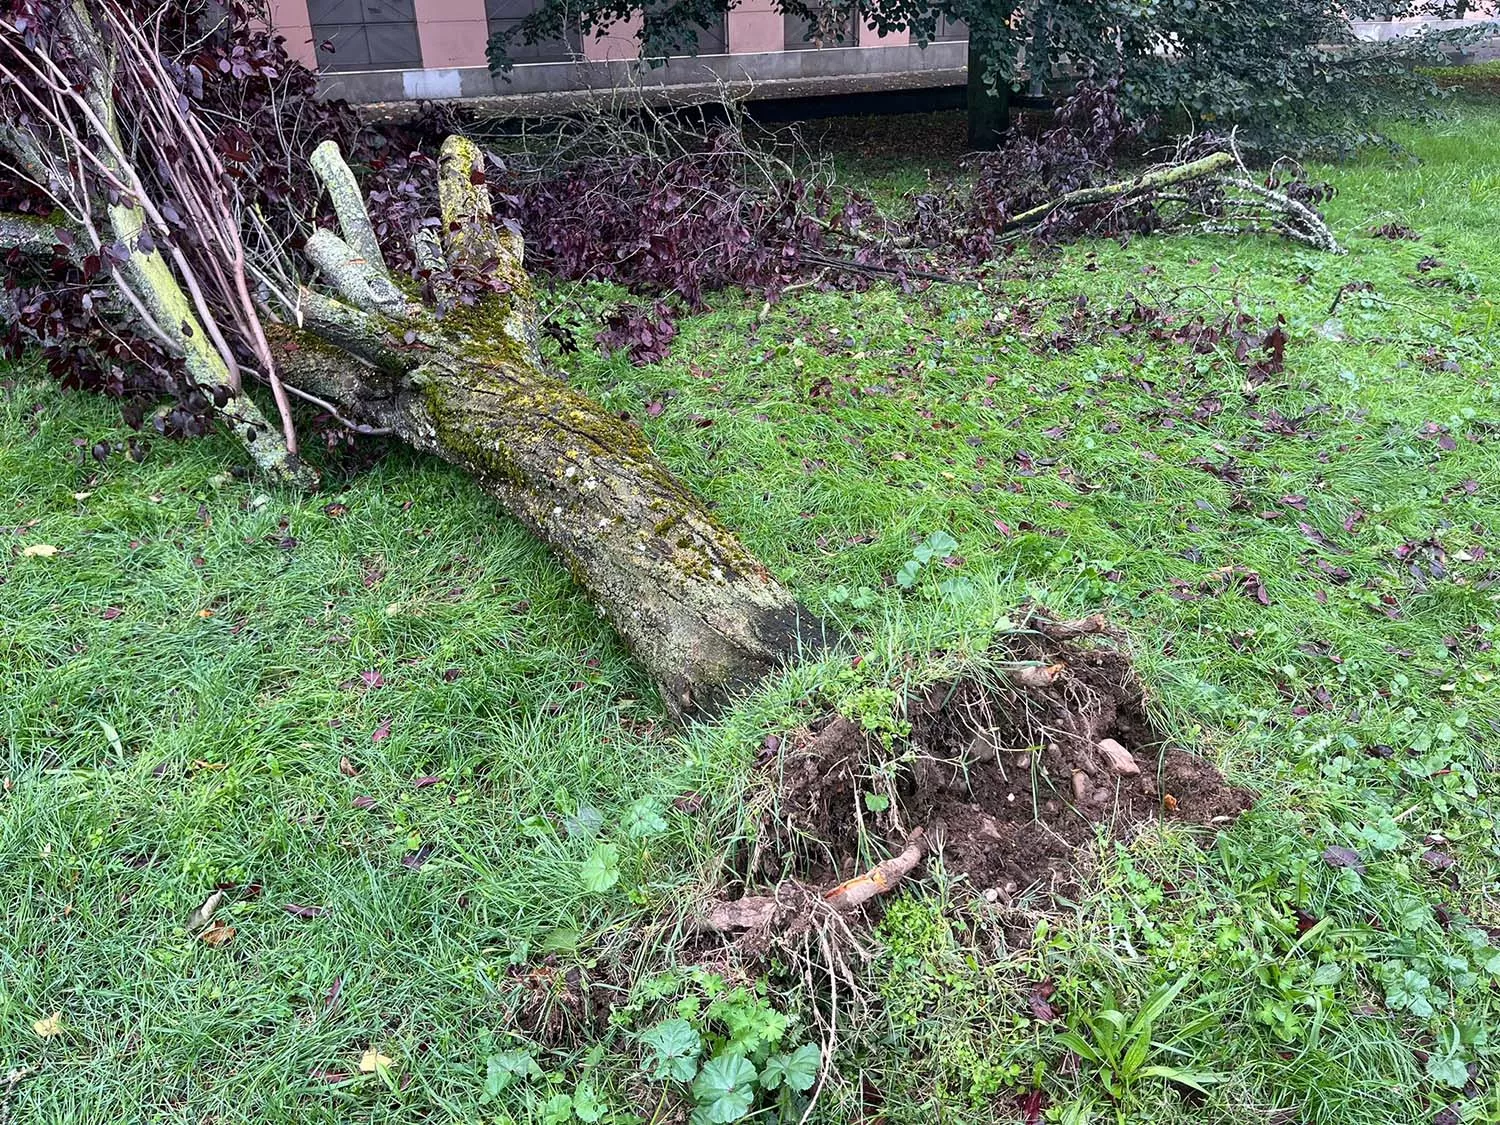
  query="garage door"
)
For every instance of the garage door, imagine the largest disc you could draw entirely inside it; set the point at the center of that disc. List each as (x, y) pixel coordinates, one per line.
(506, 14)
(365, 34)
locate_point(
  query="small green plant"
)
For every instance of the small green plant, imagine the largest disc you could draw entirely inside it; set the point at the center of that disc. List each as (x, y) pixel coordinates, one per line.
(875, 709)
(725, 1053)
(858, 597)
(1121, 1048)
(935, 546)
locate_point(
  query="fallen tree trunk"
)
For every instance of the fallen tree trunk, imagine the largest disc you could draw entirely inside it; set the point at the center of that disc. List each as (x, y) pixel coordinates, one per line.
(105, 136)
(698, 609)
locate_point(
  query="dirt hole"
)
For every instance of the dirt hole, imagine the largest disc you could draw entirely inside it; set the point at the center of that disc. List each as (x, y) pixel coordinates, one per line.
(1007, 774)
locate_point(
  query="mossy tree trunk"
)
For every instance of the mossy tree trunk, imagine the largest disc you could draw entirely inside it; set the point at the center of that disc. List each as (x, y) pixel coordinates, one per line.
(703, 615)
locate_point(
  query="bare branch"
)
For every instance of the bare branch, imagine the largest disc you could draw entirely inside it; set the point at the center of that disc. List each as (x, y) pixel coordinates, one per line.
(348, 204)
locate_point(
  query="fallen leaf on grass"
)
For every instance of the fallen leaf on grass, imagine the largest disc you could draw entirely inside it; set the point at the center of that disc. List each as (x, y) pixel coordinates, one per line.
(424, 782)
(333, 994)
(1438, 861)
(372, 1061)
(1343, 857)
(48, 1026)
(347, 768)
(382, 732)
(205, 913)
(1041, 1008)
(303, 911)
(417, 858)
(218, 934)
(363, 802)
(38, 551)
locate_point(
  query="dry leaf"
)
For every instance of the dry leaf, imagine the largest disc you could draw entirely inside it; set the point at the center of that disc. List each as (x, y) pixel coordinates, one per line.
(372, 1060)
(346, 767)
(38, 551)
(205, 913)
(49, 1026)
(217, 934)
(205, 613)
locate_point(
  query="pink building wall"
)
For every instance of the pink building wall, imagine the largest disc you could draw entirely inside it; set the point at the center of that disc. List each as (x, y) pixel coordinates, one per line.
(755, 25)
(289, 19)
(617, 41)
(452, 33)
(869, 37)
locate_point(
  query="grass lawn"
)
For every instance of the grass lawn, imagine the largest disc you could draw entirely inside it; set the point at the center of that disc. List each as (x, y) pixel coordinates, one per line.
(457, 834)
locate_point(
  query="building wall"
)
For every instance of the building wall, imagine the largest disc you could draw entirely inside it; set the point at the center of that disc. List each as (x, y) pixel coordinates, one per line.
(289, 18)
(453, 33)
(754, 26)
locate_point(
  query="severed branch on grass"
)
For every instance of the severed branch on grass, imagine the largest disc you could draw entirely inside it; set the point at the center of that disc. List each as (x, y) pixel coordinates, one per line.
(1214, 194)
(80, 139)
(1139, 187)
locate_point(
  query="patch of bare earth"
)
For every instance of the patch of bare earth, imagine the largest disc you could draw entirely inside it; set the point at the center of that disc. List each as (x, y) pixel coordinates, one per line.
(1007, 775)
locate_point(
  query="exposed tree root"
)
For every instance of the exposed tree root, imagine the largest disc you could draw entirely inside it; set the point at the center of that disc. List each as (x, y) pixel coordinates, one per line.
(759, 911)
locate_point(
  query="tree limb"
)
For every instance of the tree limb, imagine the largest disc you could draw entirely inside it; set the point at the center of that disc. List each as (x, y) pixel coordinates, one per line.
(363, 284)
(39, 238)
(1124, 189)
(348, 204)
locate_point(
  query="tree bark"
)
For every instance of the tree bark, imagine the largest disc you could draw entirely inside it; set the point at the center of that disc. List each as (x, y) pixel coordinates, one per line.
(704, 616)
(1143, 184)
(989, 110)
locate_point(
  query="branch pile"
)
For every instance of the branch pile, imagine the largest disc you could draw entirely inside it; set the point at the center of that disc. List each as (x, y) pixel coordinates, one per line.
(196, 136)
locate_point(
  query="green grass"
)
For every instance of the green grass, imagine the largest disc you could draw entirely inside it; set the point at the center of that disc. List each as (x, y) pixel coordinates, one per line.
(157, 751)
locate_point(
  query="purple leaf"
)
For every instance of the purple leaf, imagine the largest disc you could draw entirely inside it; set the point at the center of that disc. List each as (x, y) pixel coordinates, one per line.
(1438, 861)
(1344, 858)
(417, 858)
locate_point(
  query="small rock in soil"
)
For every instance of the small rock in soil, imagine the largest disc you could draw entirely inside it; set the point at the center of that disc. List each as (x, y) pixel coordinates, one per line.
(1120, 759)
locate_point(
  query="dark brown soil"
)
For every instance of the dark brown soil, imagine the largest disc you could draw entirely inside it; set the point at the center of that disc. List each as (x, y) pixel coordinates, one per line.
(1005, 774)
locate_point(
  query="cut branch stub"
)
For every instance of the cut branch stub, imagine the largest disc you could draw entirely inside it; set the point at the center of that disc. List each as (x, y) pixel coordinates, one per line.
(702, 614)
